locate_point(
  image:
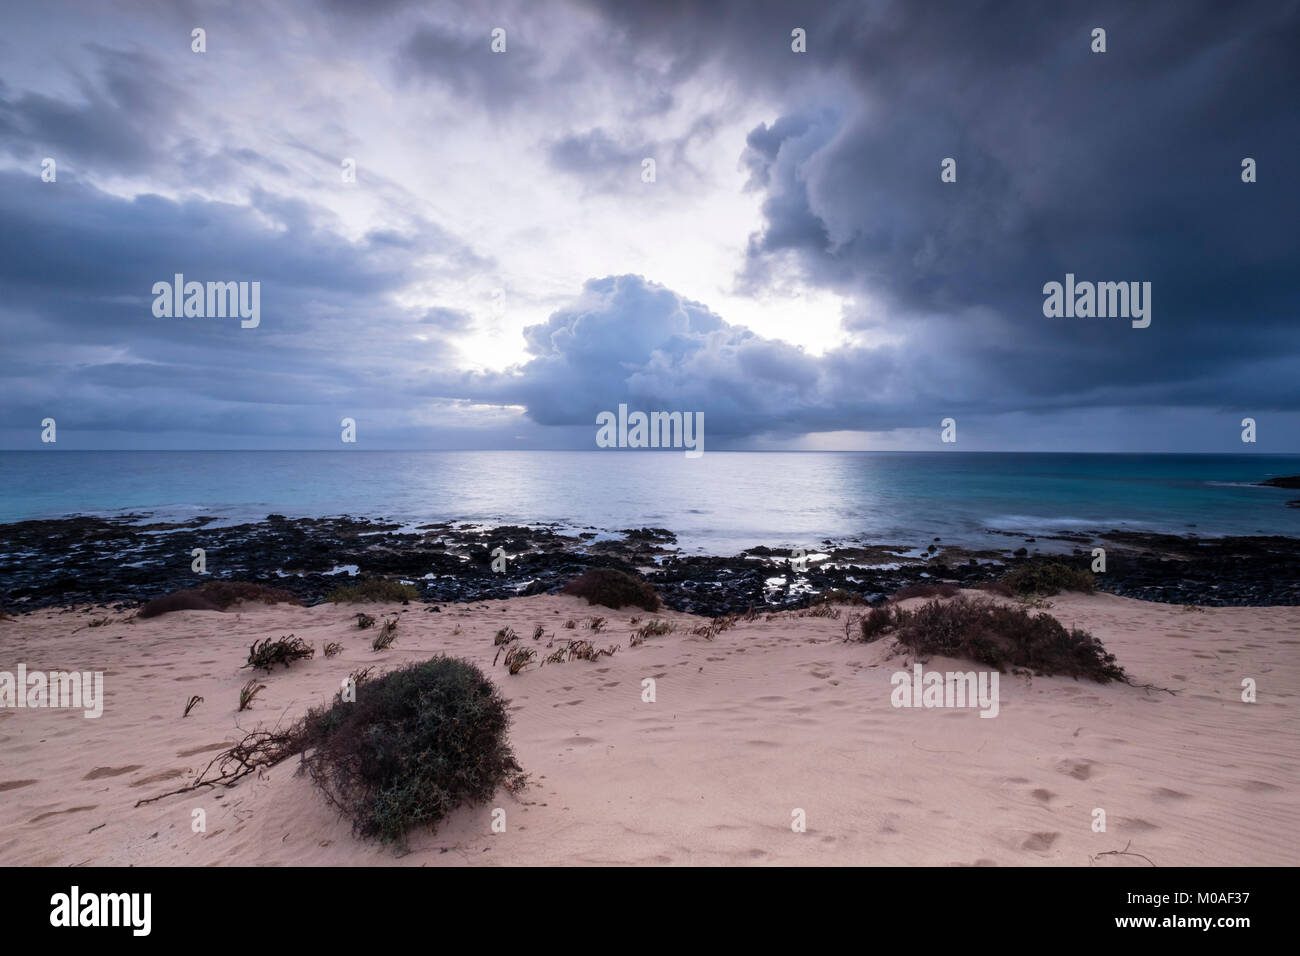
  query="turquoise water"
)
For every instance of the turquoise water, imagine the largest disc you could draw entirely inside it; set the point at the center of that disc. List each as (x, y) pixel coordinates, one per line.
(720, 503)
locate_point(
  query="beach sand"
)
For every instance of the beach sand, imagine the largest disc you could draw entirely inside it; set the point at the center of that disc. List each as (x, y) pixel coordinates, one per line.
(769, 717)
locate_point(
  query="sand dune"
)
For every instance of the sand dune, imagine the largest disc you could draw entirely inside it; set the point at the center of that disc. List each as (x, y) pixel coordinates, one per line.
(769, 717)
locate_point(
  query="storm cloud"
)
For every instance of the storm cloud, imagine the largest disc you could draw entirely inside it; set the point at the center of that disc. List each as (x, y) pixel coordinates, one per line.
(500, 271)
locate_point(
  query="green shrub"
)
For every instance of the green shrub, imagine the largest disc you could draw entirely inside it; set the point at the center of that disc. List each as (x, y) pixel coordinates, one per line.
(215, 596)
(189, 599)
(996, 634)
(611, 588)
(373, 589)
(877, 619)
(416, 744)
(227, 593)
(1048, 577)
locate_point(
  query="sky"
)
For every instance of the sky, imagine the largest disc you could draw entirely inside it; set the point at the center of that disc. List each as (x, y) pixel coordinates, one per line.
(507, 264)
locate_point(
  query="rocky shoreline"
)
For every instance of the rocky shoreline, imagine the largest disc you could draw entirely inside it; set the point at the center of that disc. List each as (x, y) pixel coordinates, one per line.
(124, 561)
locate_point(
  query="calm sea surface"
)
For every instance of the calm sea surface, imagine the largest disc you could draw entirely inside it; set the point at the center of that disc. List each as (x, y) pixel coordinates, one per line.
(720, 503)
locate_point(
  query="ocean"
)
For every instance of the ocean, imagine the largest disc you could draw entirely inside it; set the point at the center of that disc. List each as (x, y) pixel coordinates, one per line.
(721, 503)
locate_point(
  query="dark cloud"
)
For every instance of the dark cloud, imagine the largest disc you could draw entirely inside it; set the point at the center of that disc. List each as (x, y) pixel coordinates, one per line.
(1115, 166)
(448, 320)
(594, 154)
(1118, 166)
(626, 339)
(462, 61)
(126, 100)
(78, 266)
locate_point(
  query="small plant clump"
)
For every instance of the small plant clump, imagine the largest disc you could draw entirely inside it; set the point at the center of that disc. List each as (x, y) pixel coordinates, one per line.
(609, 587)
(248, 692)
(1047, 578)
(284, 651)
(215, 596)
(652, 629)
(505, 636)
(996, 634)
(364, 620)
(194, 702)
(579, 650)
(332, 648)
(373, 589)
(876, 621)
(517, 658)
(387, 634)
(824, 610)
(414, 745)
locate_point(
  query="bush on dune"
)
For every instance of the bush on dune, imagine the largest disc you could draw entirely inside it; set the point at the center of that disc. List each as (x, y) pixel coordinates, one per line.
(187, 600)
(1047, 578)
(995, 634)
(215, 596)
(414, 745)
(611, 588)
(373, 589)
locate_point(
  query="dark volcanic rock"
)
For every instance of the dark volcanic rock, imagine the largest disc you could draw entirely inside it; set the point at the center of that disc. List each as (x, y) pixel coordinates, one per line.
(125, 561)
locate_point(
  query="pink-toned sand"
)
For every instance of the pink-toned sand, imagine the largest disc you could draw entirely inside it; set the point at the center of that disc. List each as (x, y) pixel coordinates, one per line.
(770, 716)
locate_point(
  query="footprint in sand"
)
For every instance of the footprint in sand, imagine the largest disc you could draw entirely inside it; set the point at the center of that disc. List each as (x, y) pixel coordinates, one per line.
(1164, 793)
(1136, 823)
(14, 784)
(221, 745)
(100, 772)
(1040, 841)
(59, 813)
(1043, 796)
(1078, 769)
(157, 777)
